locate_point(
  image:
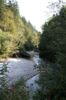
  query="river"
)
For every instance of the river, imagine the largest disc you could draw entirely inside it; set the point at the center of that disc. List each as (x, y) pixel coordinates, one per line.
(18, 68)
(21, 68)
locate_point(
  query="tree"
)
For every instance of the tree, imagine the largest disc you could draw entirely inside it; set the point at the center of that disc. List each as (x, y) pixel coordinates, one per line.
(14, 7)
(53, 50)
(2, 8)
(36, 39)
(17, 31)
(56, 5)
(31, 34)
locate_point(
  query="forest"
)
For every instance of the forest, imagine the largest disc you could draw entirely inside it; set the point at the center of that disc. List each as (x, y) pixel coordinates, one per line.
(17, 35)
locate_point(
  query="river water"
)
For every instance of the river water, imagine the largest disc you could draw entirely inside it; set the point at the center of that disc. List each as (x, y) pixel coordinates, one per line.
(21, 68)
(18, 68)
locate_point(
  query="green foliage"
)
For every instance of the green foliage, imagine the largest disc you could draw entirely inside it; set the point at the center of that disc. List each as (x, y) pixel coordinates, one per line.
(50, 83)
(14, 7)
(32, 36)
(2, 8)
(8, 44)
(53, 37)
(53, 50)
(3, 40)
(28, 45)
(36, 39)
(3, 75)
(16, 34)
(16, 92)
